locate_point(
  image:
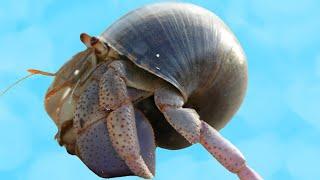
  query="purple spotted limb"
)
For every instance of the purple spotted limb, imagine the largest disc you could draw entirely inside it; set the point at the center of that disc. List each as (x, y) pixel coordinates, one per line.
(108, 142)
(186, 121)
(113, 95)
(226, 153)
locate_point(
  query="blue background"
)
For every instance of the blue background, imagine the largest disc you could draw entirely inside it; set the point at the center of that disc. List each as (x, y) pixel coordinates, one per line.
(277, 127)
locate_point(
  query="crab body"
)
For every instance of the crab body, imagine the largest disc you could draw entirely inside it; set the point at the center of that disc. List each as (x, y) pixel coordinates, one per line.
(167, 75)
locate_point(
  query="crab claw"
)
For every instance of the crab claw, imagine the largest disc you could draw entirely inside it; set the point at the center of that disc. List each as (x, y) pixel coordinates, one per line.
(94, 148)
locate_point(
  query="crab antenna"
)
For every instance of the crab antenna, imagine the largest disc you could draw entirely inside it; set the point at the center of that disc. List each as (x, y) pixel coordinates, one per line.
(33, 72)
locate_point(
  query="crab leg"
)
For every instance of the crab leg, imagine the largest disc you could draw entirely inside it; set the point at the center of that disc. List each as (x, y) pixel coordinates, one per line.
(186, 121)
(114, 97)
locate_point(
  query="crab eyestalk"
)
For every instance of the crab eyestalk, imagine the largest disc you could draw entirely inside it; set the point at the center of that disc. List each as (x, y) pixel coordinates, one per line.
(94, 42)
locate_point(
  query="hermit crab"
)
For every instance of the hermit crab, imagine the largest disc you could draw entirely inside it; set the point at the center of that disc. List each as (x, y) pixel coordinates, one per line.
(165, 75)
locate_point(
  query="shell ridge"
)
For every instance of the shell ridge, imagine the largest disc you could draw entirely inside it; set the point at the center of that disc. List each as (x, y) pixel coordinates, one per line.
(184, 36)
(174, 54)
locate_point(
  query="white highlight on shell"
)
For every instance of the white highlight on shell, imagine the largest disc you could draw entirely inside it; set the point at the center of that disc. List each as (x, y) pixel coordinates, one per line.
(157, 55)
(76, 72)
(158, 68)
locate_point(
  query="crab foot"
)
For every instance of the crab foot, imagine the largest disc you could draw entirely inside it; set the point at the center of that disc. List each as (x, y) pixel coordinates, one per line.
(248, 173)
(226, 153)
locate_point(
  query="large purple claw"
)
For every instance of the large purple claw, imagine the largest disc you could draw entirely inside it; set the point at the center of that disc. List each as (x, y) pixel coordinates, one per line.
(94, 148)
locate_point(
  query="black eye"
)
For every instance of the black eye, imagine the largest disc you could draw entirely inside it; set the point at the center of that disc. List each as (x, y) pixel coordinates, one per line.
(93, 41)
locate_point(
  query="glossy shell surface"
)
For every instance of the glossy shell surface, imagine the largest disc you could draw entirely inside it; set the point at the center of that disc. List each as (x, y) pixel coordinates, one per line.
(192, 49)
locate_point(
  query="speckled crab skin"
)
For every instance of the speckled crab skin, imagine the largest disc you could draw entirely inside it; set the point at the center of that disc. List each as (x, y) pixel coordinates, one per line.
(165, 75)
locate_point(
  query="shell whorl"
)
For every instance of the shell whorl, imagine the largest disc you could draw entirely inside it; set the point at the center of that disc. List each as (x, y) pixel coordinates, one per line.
(179, 42)
(192, 49)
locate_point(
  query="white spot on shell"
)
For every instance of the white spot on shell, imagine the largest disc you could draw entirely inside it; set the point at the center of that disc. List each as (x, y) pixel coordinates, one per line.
(76, 72)
(158, 68)
(157, 55)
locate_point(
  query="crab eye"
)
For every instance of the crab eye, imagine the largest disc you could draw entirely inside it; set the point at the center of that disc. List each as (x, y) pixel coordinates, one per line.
(94, 41)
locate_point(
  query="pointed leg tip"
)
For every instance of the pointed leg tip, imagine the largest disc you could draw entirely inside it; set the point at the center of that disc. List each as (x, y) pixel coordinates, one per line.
(123, 135)
(139, 167)
(247, 173)
(148, 175)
